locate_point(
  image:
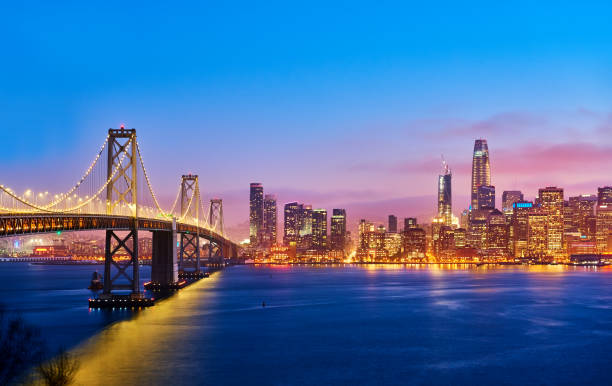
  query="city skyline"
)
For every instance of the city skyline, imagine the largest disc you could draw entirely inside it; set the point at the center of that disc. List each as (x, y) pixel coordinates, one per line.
(379, 105)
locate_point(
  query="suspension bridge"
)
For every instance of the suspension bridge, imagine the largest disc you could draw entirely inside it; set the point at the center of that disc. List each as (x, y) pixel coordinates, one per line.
(115, 194)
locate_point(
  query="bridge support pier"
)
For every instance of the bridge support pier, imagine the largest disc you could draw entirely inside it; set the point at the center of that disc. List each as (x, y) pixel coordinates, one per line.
(164, 267)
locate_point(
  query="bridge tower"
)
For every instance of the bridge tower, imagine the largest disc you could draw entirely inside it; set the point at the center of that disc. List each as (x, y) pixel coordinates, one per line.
(215, 219)
(121, 199)
(190, 242)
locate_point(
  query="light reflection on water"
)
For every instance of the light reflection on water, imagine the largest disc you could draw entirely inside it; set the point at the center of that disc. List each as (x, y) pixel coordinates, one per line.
(366, 324)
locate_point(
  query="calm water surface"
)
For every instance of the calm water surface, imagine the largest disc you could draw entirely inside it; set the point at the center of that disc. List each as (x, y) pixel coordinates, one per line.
(341, 325)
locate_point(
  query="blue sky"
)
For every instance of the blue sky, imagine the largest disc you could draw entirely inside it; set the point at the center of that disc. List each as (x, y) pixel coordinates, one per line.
(315, 100)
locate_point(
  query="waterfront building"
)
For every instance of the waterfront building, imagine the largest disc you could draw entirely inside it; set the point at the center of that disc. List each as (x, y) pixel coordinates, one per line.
(338, 240)
(319, 229)
(445, 196)
(604, 228)
(519, 228)
(305, 234)
(486, 197)
(371, 242)
(481, 169)
(292, 213)
(537, 234)
(256, 213)
(579, 211)
(392, 224)
(497, 239)
(551, 201)
(393, 244)
(414, 242)
(270, 221)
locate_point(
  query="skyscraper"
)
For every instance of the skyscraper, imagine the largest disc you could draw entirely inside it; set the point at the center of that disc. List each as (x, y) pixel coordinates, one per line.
(551, 200)
(481, 169)
(338, 230)
(486, 197)
(269, 223)
(604, 195)
(305, 233)
(292, 213)
(392, 224)
(256, 213)
(319, 229)
(445, 211)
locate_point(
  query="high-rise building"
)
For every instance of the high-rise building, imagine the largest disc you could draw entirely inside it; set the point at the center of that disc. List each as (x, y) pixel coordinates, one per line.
(392, 224)
(414, 242)
(410, 222)
(319, 229)
(270, 221)
(537, 233)
(481, 169)
(519, 227)
(305, 234)
(338, 230)
(497, 234)
(293, 212)
(445, 210)
(604, 228)
(509, 197)
(371, 242)
(604, 195)
(486, 197)
(551, 201)
(256, 213)
(579, 211)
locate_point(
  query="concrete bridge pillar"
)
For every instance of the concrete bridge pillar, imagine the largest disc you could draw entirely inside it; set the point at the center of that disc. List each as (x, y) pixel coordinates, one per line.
(164, 267)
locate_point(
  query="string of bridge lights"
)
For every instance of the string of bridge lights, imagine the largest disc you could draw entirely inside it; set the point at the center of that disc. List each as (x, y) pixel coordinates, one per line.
(9, 192)
(51, 207)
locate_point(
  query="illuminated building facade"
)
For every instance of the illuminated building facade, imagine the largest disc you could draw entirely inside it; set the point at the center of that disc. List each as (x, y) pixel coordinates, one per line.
(537, 245)
(509, 197)
(414, 242)
(519, 235)
(486, 197)
(551, 201)
(256, 213)
(319, 229)
(393, 244)
(371, 242)
(292, 213)
(338, 230)
(497, 234)
(604, 195)
(305, 233)
(270, 221)
(580, 212)
(481, 169)
(410, 222)
(445, 210)
(604, 228)
(392, 224)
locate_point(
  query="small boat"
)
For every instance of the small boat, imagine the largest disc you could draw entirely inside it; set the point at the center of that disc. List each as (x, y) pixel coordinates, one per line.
(96, 282)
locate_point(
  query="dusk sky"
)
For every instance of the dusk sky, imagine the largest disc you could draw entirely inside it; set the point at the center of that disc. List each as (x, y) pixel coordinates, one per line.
(347, 105)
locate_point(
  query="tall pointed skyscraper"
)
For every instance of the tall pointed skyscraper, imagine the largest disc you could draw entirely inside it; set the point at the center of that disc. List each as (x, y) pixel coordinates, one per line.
(481, 169)
(445, 210)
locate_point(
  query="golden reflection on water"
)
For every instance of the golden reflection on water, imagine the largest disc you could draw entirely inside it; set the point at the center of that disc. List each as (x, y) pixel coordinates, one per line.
(111, 357)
